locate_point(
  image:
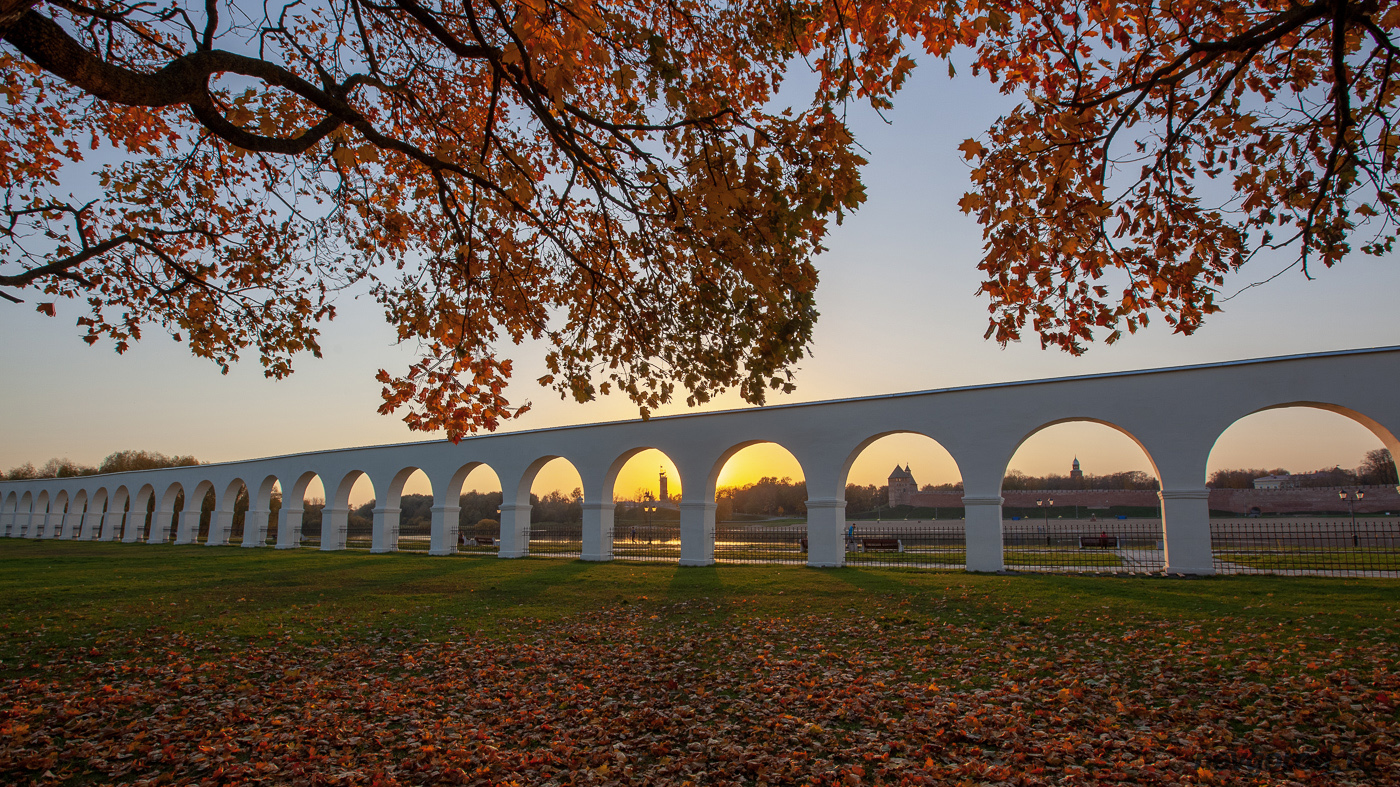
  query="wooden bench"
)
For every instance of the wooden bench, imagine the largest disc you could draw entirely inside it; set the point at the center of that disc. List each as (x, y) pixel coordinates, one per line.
(485, 541)
(881, 545)
(1099, 542)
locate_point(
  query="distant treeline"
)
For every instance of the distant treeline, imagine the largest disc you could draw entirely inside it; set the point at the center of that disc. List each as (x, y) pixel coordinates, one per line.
(1377, 468)
(119, 462)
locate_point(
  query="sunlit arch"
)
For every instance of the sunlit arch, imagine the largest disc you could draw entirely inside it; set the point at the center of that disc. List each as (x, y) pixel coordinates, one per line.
(269, 485)
(717, 469)
(609, 488)
(1006, 463)
(394, 493)
(459, 479)
(855, 453)
(527, 479)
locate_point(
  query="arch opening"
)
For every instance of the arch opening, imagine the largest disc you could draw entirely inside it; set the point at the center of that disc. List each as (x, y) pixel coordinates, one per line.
(72, 524)
(201, 515)
(556, 509)
(58, 512)
(479, 511)
(305, 511)
(1304, 488)
(1082, 495)
(760, 505)
(140, 514)
(39, 518)
(227, 523)
(27, 512)
(644, 486)
(408, 512)
(350, 519)
(912, 515)
(96, 514)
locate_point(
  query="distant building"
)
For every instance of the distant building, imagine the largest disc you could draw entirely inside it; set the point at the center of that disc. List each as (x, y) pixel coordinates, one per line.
(1075, 473)
(665, 496)
(1285, 481)
(902, 486)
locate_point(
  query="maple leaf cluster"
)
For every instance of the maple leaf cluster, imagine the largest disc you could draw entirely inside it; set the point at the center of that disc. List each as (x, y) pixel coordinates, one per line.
(702, 692)
(1157, 148)
(602, 175)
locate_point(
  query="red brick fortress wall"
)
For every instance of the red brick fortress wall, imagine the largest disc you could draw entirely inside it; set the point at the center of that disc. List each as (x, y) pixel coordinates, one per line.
(1378, 499)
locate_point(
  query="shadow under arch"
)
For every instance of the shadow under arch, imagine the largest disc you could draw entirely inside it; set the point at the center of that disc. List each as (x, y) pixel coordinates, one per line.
(918, 541)
(1045, 537)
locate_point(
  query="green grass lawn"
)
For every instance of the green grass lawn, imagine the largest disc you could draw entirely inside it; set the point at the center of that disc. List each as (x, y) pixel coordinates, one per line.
(127, 663)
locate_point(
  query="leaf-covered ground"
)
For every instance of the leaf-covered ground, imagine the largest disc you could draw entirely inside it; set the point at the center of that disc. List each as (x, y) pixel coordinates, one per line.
(157, 665)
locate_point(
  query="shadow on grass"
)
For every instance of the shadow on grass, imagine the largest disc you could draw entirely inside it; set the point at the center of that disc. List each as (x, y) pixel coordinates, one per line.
(694, 582)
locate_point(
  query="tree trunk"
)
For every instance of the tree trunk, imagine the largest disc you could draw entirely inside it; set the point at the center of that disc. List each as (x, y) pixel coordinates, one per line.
(11, 11)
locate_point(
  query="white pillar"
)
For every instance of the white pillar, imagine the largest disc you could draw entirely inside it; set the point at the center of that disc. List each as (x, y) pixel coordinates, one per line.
(220, 525)
(289, 528)
(982, 532)
(53, 525)
(89, 522)
(22, 520)
(826, 546)
(443, 538)
(135, 525)
(111, 523)
(68, 526)
(1186, 531)
(160, 525)
(384, 536)
(255, 527)
(335, 522)
(187, 528)
(598, 531)
(7, 524)
(698, 533)
(515, 530)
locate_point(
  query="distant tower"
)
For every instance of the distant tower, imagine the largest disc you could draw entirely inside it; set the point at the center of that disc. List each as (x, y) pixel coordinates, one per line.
(1075, 474)
(664, 497)
(902, 486)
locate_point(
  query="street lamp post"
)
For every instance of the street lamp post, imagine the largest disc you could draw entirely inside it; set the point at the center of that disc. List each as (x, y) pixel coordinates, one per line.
(1045, 505)
(1351, 509)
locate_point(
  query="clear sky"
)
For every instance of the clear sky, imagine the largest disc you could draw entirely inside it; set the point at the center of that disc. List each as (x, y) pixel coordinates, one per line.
(899, 313)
